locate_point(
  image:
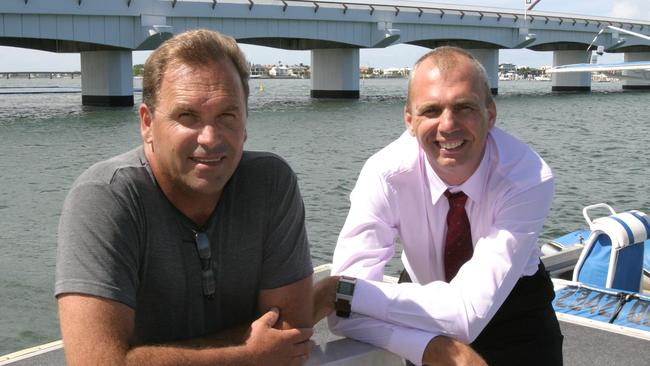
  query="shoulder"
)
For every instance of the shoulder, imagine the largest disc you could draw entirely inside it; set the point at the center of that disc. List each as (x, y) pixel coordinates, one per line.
(398, 158)
(116, 177)
(110, 170)
(263, 160)
(263, 173)
(515, 162)
(263, 167)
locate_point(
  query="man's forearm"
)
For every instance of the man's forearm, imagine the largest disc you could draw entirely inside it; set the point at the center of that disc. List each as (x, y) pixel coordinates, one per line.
(184, 355)
(324, 296)
(445, 351)
(225, 347)
(261, 343)
(408, 343)
(235, 336)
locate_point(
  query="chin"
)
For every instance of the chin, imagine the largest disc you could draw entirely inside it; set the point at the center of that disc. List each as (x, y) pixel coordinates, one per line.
(446, 162)
(205, 187)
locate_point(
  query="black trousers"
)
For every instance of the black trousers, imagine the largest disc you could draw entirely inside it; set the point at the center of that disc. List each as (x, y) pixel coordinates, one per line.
(525, 330)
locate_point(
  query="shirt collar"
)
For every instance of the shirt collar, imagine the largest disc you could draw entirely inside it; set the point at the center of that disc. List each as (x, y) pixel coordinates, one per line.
(473, 187)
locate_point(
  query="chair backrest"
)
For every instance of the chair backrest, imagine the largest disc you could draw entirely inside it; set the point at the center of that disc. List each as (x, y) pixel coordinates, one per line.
(646, 259)
(613, 255)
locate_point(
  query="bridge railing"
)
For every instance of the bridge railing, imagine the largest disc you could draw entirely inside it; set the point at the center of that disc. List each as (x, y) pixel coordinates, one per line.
(398, 8)
(421, 9)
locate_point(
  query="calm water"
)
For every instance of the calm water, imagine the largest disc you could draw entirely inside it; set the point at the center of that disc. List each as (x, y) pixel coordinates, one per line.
(596, 143)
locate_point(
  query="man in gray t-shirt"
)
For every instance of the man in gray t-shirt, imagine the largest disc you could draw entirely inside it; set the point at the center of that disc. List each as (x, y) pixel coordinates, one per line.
(187, 249)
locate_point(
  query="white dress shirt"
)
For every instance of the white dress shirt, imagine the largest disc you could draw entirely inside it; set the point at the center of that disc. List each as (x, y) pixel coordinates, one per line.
(399, 195)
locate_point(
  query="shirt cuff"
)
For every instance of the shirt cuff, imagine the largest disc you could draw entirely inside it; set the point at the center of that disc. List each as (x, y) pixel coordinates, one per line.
(409, 343)
(371, 298)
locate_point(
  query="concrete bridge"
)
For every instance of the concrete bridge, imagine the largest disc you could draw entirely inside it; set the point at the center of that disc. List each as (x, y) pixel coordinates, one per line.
(39, 74)
(105, 32)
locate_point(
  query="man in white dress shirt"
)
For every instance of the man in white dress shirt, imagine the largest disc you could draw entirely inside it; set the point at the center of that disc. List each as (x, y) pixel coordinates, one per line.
(499, 301)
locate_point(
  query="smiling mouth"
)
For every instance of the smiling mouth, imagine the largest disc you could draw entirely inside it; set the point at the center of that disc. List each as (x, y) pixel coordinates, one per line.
(451, 145)
(207, 161)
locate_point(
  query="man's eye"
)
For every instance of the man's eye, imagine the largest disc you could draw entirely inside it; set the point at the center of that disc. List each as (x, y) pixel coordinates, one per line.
(229, 120)
(465, 108)
(186, 117)
(431, 112)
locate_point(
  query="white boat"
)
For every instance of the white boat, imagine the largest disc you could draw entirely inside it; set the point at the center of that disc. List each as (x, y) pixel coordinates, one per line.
(602, 323)
(608, 292)
(562, 254)
(330, 349)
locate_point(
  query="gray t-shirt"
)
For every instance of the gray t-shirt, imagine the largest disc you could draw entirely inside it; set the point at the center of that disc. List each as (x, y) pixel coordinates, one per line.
(120, 238)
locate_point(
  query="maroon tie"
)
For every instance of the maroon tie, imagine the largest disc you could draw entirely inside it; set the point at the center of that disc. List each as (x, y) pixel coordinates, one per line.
(458, 244)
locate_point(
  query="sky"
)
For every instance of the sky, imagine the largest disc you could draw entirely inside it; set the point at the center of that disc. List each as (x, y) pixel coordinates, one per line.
(18, 59)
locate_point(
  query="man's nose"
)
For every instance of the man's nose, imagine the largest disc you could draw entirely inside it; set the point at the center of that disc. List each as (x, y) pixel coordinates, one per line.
(209, 135)
(447, 121)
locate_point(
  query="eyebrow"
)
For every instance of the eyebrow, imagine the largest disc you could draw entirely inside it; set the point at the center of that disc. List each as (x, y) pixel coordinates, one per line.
(460, 101)
(181, 107)
(426, 106)
(184, 107)
(232, 108)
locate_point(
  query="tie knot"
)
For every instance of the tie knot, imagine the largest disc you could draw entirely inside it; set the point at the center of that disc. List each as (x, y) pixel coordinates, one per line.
(456, 199)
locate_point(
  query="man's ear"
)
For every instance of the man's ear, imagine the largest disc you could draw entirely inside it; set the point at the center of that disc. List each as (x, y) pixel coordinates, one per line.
(492, 114)
(408, 121)
(146, 118)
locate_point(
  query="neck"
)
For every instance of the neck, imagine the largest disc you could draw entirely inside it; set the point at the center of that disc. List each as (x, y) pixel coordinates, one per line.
(197, 209)
(195, 206)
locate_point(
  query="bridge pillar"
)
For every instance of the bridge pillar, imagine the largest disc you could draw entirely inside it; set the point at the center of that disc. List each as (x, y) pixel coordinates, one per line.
(335, 73)
(107, 78)
(572, 81)
(635, 84)
(489, 58)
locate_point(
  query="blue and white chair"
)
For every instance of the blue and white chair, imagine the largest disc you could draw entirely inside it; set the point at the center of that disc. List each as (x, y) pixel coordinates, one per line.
(646, 260)
(613, 255)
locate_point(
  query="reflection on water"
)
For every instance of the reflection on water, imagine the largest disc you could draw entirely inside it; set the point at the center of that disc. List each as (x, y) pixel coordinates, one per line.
(595, 144)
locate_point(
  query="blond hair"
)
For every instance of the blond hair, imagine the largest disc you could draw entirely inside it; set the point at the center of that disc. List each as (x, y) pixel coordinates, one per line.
(195, 47)
(446, 58)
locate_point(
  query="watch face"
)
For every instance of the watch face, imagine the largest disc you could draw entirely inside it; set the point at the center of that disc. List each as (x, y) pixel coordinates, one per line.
(345, 288)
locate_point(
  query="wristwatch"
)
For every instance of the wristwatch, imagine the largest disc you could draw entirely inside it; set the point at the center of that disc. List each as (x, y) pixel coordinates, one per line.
(344, 292)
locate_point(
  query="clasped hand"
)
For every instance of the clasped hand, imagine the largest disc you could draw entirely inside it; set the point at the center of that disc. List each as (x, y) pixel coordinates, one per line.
(268, 345)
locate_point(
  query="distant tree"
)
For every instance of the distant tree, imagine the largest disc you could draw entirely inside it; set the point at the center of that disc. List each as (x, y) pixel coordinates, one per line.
(138, 70)
(528, 72)
(366, 71)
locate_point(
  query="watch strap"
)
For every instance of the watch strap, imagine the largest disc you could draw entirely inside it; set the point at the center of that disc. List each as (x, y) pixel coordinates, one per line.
(343, 304)
(343, 308)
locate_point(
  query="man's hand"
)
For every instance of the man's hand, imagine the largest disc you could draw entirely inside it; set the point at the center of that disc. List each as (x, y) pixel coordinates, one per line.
(445, 351)
(324, 298)
(269, 346)
(99, 331)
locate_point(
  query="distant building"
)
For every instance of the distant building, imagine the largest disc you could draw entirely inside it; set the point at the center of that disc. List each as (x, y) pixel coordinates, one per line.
(259, 71)
(280, 72)
(605, 77)
(507, 68)
(508, 72)
(397, 72)
(300, 71)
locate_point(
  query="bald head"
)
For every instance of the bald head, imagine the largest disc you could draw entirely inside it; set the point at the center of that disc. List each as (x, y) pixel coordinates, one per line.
(448, 58)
